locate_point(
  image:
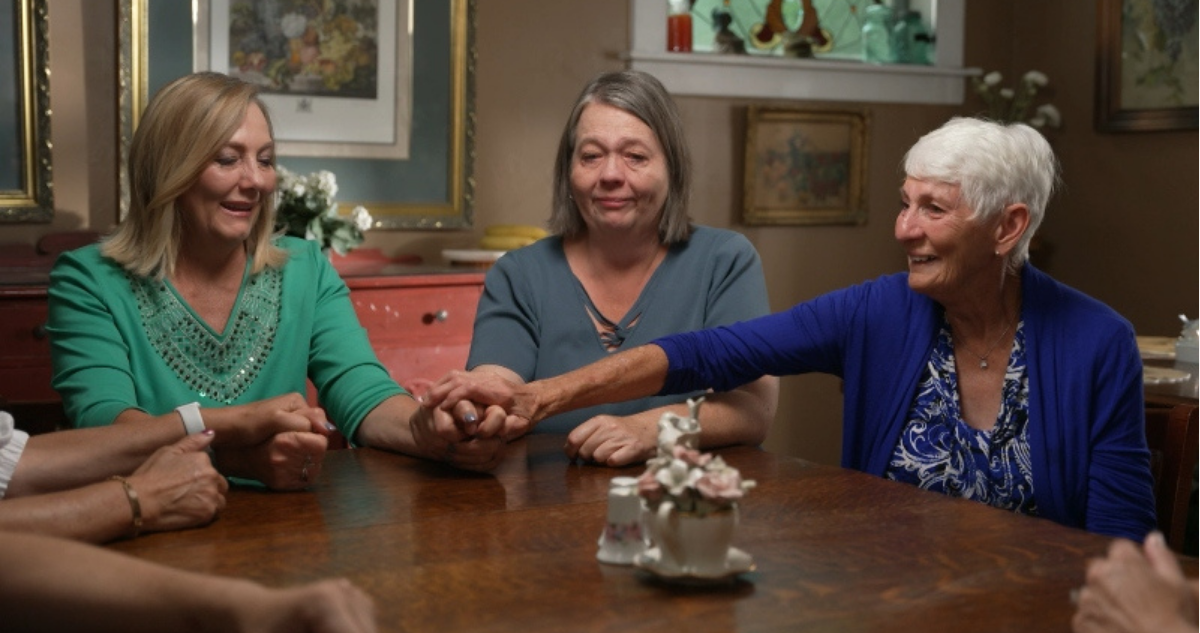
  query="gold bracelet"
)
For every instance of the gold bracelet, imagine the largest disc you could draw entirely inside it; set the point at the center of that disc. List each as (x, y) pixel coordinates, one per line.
(134, 504)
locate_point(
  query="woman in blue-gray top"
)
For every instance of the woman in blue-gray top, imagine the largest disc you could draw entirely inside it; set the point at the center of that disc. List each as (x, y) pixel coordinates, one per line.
(974, 374)
(623, 267)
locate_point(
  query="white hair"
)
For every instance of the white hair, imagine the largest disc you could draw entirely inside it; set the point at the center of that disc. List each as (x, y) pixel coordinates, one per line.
(994, 165)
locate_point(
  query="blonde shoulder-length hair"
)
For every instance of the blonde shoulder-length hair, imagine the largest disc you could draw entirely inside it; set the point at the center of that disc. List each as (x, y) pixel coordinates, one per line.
(187, 122)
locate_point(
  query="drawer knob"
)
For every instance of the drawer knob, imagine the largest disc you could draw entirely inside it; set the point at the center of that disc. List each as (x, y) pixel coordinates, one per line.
(39, 332)
(440, 316)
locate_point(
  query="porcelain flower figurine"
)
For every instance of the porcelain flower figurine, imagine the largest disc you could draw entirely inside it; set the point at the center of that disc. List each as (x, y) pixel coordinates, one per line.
(304, 207)
(693, 482)
(675, 429)
(1009, 105)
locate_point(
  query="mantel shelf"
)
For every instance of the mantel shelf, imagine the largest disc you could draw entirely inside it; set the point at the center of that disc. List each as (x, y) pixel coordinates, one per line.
(717, 75)
(708, 74)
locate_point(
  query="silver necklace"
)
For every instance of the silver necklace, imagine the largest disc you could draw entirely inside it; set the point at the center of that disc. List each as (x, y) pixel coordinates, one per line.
(983, 364)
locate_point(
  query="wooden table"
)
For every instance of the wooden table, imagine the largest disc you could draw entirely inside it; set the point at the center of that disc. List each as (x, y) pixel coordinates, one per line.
(836, 550)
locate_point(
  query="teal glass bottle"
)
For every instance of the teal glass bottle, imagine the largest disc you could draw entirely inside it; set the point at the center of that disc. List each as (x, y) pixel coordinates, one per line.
(877, 34)
(910, 40)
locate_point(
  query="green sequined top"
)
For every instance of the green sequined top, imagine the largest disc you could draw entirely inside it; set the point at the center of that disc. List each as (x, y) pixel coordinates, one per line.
(120, 342)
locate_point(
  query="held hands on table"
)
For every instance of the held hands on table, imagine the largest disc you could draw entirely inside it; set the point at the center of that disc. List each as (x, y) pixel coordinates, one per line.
(478, 406)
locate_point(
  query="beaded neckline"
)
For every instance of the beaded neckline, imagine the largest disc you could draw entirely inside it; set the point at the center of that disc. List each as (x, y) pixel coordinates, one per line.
(216, 366)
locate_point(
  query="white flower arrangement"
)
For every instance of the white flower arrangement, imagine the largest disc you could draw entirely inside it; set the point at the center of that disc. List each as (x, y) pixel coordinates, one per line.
(696, 483)
(304, 207)
(1008, 105)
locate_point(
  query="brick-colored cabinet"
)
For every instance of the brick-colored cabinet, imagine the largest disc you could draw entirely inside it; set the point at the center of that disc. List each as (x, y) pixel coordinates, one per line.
(25, 390)
(24, 347)
(419, 325)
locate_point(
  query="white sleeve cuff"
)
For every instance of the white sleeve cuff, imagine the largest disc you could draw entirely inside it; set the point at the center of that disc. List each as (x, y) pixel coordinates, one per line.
(12, 444)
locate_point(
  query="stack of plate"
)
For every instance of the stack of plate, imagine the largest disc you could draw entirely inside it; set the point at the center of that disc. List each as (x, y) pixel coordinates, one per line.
(472, 257)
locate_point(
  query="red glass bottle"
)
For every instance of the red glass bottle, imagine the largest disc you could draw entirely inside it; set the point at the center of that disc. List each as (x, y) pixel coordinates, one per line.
(679, 27)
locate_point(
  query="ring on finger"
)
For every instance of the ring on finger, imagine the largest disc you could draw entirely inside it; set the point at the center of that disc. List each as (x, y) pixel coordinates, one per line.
(304, 469)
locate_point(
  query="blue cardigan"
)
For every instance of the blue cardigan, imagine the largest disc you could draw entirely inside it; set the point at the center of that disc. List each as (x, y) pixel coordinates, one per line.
(1091, 467)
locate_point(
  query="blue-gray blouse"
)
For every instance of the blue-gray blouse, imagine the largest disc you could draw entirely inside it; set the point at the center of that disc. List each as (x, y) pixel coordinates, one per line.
(533, 315)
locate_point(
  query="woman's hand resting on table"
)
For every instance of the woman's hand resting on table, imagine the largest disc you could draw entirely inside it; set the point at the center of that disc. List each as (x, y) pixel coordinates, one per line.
(287, 461)
(178, 486)
(615, 440)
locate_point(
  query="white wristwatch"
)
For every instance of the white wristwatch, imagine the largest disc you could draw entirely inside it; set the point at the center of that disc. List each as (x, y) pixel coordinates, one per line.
(192, 422)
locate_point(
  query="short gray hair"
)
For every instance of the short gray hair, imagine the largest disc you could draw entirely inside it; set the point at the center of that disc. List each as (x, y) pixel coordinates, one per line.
(994, 165)
(643, 96)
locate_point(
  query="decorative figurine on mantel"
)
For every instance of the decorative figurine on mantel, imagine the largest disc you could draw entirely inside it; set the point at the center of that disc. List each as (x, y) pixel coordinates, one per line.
(691, 501)
(807, 37)
(724, 39)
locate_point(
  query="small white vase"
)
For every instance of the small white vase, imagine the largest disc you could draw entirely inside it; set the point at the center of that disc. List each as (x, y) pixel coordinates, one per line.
(693, 543)
(623, 537)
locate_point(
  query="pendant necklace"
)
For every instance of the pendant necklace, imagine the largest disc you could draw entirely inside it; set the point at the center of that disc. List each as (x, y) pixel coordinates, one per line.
(983, 364)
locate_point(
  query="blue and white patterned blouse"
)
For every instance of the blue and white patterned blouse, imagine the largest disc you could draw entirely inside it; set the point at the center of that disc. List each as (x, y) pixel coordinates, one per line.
(938, 451)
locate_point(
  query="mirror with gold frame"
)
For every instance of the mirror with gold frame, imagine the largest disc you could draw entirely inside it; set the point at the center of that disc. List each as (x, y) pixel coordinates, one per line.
(25, 187)
(430, 189)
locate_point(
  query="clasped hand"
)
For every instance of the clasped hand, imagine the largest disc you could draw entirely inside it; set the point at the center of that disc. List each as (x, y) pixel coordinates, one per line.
(478, 404)
(486, 405)
(466, 436)
(280, 441)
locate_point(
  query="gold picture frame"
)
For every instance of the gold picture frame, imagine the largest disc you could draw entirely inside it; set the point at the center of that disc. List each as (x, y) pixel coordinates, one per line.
(432, 189)
(26, 193)
(805, 167)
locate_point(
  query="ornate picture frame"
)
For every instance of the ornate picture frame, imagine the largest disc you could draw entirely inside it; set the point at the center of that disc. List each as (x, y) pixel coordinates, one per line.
(805, 166)
(26, 193)
(1146, 68)
(431, 189)
(356, 106)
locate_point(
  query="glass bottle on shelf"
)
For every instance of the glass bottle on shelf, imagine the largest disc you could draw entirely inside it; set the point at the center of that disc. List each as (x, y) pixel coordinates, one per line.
(679, 26)
(877, 34)
(910, 40)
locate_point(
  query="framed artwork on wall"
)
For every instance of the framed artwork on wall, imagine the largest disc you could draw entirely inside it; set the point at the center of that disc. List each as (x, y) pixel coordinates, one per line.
(336, 77)
(1146, 66)
(432, 42)
(26, 192)
(805, 166)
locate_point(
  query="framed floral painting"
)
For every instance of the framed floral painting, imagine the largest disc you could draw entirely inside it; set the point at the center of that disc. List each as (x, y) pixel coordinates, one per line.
(805, 167)
(336, 75)
(1146, 65)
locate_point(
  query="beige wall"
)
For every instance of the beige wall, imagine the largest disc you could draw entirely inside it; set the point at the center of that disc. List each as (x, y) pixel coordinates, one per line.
(1124, 229)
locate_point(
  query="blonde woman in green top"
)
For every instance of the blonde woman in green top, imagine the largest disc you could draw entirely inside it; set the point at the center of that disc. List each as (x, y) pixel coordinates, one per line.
(192, 311)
